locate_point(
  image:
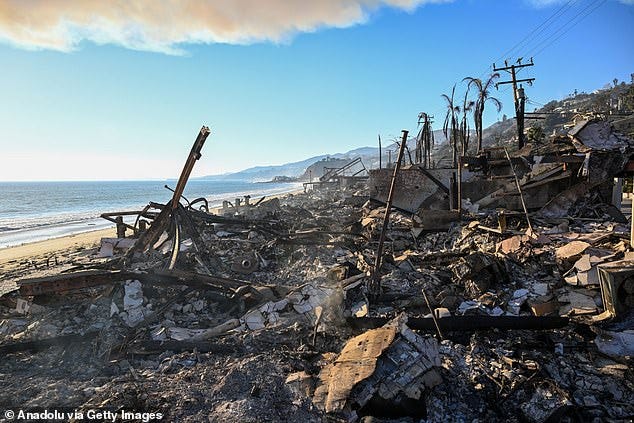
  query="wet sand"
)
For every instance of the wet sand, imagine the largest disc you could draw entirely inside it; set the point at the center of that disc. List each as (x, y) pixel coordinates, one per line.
(42, 249)
(49, 246)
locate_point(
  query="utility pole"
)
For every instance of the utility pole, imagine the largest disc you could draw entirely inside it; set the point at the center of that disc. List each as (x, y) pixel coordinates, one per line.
(380, 155)
(518, 93)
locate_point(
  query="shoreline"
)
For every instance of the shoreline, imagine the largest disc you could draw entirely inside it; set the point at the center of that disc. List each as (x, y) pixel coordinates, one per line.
(26, 227)
(87, 239)
(53, 245)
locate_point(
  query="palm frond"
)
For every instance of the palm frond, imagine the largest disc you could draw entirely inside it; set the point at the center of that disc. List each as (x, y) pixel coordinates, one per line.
(498, 103)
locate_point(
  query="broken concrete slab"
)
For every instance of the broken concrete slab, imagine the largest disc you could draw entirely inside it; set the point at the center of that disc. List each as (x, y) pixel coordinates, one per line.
(576, 302)
(568, 254)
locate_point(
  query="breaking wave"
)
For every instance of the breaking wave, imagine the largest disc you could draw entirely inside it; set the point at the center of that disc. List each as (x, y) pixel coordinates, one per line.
(36, 211)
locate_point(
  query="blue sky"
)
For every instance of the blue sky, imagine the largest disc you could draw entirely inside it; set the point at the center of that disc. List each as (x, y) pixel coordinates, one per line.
(109, 101)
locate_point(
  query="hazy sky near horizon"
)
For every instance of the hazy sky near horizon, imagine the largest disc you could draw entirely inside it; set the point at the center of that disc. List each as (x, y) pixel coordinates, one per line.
(94, 92)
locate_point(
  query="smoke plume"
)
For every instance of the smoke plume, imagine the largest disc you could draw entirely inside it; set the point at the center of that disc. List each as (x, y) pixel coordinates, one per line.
(166, 25)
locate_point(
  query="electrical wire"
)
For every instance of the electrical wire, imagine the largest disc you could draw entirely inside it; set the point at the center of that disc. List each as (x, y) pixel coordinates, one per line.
(540, 28)
(587, 11)
(534, 103)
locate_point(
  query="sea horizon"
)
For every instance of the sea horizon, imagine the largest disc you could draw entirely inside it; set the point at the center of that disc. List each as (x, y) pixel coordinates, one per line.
(197, 178)
(33, 211)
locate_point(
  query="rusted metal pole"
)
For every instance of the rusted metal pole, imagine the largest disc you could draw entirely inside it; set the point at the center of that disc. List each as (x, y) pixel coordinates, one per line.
(375, 283)
(380, 154)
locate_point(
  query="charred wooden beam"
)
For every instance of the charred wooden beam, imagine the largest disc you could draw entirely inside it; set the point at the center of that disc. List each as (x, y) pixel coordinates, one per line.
(194, 279)
(144, 213)
(91, 278)
(71, 281)
(149, 237)
(154, 347)
(114, 216)
(176, 239)
(42, 344)
(468, 323)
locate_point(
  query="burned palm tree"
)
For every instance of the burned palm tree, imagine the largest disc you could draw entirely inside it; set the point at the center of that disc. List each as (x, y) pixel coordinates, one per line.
(450, 127)
(464, 135)
(484, 95)
(424, 140)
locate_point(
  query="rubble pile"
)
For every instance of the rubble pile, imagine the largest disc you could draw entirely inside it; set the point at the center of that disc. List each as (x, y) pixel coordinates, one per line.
(266, 312)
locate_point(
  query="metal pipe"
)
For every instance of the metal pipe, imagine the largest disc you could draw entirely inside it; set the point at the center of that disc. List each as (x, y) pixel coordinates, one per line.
(375, 282)
(194, 155)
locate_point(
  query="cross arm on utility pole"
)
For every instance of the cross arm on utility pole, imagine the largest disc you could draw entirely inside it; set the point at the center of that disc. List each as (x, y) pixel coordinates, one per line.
(518, 66)
(518, 94)
(529, 80)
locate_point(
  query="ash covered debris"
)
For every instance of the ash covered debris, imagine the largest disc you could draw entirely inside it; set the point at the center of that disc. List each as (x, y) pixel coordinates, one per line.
(266, 310)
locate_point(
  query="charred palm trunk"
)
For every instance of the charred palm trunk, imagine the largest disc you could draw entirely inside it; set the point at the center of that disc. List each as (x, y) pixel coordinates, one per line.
(479, 129)
(424, 141)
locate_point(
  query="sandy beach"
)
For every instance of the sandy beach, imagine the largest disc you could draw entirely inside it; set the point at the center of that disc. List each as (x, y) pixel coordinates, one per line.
(40, 250)
(47, 247)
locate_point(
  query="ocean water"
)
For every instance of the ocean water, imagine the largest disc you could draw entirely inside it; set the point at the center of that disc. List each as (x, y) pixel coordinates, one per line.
(33, 211)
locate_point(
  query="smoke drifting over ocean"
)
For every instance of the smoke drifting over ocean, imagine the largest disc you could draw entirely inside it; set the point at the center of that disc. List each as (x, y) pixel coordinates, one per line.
(165, 25)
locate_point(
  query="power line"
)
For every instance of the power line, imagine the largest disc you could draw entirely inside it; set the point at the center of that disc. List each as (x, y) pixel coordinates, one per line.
(535, 32)
(572, 22)
(539, 29)
(534, 103)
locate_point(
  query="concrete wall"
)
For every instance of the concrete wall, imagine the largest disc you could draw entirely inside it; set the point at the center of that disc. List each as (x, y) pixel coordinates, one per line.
(413, 188)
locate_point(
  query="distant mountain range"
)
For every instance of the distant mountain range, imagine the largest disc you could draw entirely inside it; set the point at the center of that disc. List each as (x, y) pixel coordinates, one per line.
(267, 173)
(369, 156)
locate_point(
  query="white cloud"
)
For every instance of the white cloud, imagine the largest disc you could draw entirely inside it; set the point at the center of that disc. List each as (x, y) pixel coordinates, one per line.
(163, 25)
